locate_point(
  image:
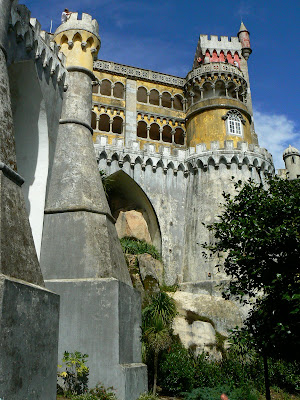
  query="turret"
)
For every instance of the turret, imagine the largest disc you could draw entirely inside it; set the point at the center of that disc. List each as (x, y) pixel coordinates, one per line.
(217, 92)
(79, 40)
(291, 157)
(244, 38)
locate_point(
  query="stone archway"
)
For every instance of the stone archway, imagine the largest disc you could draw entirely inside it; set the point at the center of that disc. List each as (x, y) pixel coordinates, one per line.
(126, 195)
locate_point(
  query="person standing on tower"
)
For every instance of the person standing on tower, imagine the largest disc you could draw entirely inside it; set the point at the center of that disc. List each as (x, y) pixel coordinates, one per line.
(65, 15)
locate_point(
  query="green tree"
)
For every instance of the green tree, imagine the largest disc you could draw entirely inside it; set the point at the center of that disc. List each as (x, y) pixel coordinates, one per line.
(258, 236)
(157, 318)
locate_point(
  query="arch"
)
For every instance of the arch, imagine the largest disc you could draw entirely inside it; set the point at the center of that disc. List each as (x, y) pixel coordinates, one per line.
(229, 57)
(167, 134)
(170, 165)
(181, 167)
(200, 165)
(154, 97)
(179, 136)
(117, 125)
(94, 120)
(142, 129)
(231, 90)
(142, 94)
(208, 90)
(177, 103)
(95, 88)
(127, 159)
(77, 38)
(236, 58)
(105, 87)
(138, 160)
(104, 123)
(126, 195)
(149, 162)
(154, 133)
(33, 148)
(222, 56)
(220, 88)
(118, 90)
(211, 161)
(63, 39)
(166, 100)
(214, 57)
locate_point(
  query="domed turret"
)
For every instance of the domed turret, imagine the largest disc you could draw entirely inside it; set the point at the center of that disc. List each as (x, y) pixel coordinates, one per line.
(244, 38)
(291, 157)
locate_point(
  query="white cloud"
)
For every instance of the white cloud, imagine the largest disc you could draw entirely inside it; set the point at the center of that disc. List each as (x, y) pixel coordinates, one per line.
(275, 132)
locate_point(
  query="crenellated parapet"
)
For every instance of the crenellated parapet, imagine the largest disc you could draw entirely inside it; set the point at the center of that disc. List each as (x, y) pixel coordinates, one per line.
(79, 40)
(188, 161)
(32, 43)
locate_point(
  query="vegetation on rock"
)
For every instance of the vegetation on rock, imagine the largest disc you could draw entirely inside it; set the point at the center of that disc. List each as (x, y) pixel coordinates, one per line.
(132, 245)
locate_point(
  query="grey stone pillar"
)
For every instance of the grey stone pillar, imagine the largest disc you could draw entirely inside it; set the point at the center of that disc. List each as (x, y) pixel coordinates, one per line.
(130, 116)
(28, 312)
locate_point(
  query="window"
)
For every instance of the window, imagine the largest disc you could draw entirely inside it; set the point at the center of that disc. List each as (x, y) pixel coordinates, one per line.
(234, 123)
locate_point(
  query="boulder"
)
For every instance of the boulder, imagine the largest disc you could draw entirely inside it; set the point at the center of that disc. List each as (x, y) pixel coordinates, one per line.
(147, 267)
(133, 224)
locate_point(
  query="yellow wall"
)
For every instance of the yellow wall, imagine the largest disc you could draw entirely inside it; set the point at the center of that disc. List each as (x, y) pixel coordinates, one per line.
(207, 125)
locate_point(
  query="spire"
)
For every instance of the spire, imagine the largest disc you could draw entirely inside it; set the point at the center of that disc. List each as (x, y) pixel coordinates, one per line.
(242, 28)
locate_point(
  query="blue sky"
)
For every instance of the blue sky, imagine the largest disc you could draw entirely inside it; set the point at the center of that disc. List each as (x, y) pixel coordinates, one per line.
(162, 36)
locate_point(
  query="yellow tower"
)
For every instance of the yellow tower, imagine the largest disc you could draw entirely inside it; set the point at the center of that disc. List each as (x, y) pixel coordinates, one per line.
(218, 94)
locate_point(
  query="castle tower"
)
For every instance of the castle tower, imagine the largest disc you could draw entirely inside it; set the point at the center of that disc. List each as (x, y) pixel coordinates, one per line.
(81, 256)
(291, 157)
(220, 126)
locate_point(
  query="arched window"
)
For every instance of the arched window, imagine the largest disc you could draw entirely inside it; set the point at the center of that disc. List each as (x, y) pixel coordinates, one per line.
(117, 125)
(178, 105)
(154, 133)
(93, 121)
(142, 95)
(142, 129)
(166, 100)
(96, 88)
(104, 123)
(234, 122)
(105, 87)
(167, 134)
(154, 97)
(118, 90)
(179, 136)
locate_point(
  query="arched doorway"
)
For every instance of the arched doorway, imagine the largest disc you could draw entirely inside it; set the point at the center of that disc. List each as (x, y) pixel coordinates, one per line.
(126, 195)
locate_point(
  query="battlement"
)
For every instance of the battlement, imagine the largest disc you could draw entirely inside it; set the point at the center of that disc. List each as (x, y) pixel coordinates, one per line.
(86, 23)
(36, 43)
(199, 157)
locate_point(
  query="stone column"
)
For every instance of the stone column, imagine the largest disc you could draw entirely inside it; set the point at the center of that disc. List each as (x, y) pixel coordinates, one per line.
(130, 113)
(28, 312)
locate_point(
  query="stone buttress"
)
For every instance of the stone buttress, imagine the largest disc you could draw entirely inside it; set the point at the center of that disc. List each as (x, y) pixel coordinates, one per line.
(28, 312)
(81, 256)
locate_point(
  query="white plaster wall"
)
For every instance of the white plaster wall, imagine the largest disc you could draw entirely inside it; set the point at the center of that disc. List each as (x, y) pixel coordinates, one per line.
(32, 149)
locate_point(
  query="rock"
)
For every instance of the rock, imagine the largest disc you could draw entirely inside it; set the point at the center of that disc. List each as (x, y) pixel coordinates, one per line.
(223, 314)
(147, 267)
(133, 224)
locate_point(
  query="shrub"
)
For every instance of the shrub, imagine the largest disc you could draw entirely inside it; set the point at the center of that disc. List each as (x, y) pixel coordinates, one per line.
(285, 375)
(148, 396)
(75, 376)
(176, 370)
(132, 245)
(244, 392)
(97, 393)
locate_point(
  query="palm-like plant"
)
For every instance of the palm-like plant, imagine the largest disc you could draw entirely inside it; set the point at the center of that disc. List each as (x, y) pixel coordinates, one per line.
(157, 318)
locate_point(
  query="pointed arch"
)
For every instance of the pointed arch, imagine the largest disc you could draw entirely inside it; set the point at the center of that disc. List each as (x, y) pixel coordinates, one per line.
(126, 195)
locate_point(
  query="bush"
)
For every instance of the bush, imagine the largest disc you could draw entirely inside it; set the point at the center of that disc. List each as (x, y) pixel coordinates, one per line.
(285, 375)
(98, 393)
(176, 370)
(131, 245)
(148, 396)
(244, 392)
(75, 377)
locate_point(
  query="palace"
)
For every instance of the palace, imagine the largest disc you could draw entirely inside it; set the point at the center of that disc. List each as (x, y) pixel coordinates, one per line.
(170, 147)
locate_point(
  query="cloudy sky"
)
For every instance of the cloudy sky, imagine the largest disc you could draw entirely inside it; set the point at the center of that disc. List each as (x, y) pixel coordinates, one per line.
(162, 36)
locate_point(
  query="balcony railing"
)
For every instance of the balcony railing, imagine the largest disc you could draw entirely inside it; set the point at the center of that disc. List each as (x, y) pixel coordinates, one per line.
(214, 67)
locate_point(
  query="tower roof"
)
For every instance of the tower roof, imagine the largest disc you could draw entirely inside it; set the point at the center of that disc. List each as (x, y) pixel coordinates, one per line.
(291, 150)
(243, 28)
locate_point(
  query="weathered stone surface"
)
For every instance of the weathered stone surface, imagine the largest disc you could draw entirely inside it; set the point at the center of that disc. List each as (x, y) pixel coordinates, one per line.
(150, 266)
(199, 336)
(102, 318)
(28, 341)
(132, 223)
(224, 314)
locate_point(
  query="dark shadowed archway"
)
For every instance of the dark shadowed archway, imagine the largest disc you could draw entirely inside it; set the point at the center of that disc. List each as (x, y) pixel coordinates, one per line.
(125, 195)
